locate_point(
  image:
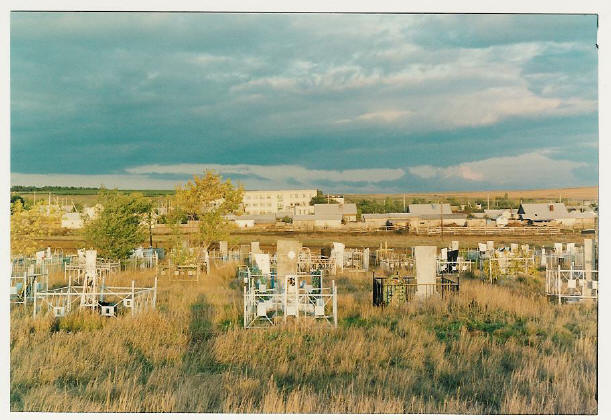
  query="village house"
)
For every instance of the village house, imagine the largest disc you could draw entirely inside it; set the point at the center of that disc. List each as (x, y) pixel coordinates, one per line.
(312, 221)
(347, 212)
(326, 216)
(581, 219)
(432, 208)
(542, 213)
(500, 217)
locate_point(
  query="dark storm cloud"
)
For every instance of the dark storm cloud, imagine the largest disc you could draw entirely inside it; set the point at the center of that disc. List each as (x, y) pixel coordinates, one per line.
(102, 93)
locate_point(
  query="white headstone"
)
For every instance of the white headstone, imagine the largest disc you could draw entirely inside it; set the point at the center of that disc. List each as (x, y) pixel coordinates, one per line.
(558, 247)
(287, 251)
(490, 245)
(90, 261)
(366, 259)
(426, 269)
(454, 246)
(482, 247)
(262, 261)
(444, 254)
(40, 255)
(338, 253)
(514, 248)
(254, 247)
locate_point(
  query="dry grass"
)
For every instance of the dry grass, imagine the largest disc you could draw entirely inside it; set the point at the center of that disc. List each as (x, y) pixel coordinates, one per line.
(576, 193)
(493, 349)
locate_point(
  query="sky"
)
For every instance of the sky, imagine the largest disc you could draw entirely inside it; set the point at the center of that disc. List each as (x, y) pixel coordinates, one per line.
(345, 103)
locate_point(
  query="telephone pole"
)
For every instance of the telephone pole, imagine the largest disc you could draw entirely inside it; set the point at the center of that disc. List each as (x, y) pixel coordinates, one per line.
(441, 216)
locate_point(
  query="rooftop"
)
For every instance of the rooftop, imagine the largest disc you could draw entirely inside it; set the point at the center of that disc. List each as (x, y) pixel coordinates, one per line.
(433, 208)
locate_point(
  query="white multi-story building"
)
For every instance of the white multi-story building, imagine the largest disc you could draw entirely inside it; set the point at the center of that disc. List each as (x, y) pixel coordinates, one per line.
(278, 201)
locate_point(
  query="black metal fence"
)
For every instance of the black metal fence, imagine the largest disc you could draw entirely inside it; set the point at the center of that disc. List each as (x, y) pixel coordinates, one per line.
(405, 289)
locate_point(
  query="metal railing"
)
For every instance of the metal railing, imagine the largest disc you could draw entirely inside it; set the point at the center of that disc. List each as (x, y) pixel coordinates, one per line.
(399, 290)
(571, 285)
(106, 299)
(265, 302)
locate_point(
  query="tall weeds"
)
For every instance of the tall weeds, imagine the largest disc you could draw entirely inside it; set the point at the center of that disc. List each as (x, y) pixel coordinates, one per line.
(492, 349)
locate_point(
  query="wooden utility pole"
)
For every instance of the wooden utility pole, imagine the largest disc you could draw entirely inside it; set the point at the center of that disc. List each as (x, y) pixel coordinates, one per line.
(441, 216)
(404, 208)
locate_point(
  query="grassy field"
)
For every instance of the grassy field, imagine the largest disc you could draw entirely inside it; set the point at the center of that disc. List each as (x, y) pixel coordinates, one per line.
(492, 349)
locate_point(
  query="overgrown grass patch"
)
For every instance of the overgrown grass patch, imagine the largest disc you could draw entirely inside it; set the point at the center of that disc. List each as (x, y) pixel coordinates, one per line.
(491, 349)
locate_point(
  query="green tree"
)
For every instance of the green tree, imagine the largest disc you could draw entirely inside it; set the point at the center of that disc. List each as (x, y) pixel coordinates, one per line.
(29, 227)
(287, 219)
(504, 202)
(393, 206)
(15, 198)
(369, 207)
(120, 226)
(208, 200)
(320, 198)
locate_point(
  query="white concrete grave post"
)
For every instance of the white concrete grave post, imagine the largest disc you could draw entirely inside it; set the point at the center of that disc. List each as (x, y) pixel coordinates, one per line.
(426, 270)
(338, 253)
(366, 259)
(588, 264)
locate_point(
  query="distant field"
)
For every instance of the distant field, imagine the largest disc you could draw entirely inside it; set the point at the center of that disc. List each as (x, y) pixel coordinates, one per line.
(579, 193)
(88, 196)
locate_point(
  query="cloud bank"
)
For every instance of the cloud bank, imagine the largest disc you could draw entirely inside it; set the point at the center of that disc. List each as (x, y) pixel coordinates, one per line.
(348, 101)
